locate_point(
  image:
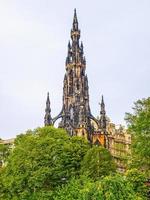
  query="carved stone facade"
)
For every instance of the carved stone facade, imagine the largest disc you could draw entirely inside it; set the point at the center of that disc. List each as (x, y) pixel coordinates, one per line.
(119, 145)
(76, 116)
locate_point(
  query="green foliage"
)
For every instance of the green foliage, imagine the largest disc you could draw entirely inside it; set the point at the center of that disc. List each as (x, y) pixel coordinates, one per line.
(41, 160)
(109, 188)
(77, 189)
(97, 163)
(4, 152)
(137, 179)
(139, 126)
(47, 164)
(139, 121)
(117, 188)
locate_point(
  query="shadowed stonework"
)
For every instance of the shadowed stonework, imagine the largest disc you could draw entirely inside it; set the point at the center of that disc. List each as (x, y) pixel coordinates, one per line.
(76, 116)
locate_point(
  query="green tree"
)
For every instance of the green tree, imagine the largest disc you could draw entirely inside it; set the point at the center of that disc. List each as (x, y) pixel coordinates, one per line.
(109, 188)
(4, 153)
(117, 187)
(76, 189)
(139, 125)
(137, 179)
(97, 163)
(41, 160)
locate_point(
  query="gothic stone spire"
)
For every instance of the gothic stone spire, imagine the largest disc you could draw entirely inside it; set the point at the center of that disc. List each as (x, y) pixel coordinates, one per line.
(103, 120)
(75, 50)
(75, 21)
(76, 107)
(47, 118)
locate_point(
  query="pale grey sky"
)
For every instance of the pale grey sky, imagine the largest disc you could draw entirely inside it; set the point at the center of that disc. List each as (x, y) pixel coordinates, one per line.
(33, 47)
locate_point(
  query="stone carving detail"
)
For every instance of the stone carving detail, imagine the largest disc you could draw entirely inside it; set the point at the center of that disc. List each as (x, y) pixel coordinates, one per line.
(47, 118)
(76, 115)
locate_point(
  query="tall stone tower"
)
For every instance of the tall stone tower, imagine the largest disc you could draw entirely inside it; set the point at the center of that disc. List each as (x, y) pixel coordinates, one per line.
(76, 109)
(76, 115)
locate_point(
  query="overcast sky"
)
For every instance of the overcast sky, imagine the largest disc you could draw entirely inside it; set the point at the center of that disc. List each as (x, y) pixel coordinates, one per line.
(33, 48)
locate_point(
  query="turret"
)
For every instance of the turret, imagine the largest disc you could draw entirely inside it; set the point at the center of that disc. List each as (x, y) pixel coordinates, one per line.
(103, 121)
(47, 118)
(75, 50)
(68, 59)
(75, 22)
(75, 36)
(81, 47)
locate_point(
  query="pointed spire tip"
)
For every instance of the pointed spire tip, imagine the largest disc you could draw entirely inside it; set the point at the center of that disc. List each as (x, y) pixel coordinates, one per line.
(75, 11)
(75, 16)
(47, 100)
(69, 44)
(102, 99)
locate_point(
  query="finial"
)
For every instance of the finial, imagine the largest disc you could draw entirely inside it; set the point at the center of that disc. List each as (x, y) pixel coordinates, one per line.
(81, 45)
(47, 118)
(69, 53)
(69, 45)
(75, 16)
(84, 60)
(102, 105)
(102, 102)
(48, 100)
(103, 119)
(75, 21)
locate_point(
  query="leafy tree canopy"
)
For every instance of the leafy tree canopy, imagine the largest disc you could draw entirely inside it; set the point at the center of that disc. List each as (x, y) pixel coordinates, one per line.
(109, 188)
(137, 179)
(4, 153)
(98, 163)
(139, 126)
(41, 160)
